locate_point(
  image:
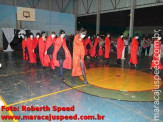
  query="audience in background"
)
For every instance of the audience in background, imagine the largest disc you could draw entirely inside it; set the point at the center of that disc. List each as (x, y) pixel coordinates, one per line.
(148, 45)
(144, 46)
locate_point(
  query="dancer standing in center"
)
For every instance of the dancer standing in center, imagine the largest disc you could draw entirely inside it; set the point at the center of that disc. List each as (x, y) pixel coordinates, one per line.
(78, 56)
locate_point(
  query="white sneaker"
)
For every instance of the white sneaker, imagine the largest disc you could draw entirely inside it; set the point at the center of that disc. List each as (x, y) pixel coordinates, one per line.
(0, 65)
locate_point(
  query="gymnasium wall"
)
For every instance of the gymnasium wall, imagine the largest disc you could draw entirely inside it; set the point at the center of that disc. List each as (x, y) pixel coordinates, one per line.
(45, 21)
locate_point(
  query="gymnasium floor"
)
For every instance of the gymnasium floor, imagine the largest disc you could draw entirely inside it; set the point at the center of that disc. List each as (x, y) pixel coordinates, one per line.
(116, 97)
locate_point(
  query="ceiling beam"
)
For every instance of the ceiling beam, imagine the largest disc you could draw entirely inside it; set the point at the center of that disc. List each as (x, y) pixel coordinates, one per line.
(58, 5)
(84, 6)
(67, 5)
(89, 7)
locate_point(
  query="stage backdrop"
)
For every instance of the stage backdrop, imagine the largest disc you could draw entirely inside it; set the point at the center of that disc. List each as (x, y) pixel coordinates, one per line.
(44, 21)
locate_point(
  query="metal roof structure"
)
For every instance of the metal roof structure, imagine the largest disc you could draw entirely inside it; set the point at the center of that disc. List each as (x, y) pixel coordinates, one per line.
(82, 7)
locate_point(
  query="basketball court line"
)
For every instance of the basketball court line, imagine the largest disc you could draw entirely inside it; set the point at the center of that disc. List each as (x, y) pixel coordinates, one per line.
(10, 112)
(46, 95)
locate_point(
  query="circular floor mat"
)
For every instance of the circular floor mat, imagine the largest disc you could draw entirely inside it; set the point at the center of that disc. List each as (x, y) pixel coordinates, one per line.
(116, 83)
(121, 79)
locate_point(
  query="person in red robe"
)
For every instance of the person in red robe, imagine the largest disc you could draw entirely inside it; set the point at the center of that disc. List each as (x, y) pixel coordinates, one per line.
(49, 49)
(30, 47)
(45, 60)
(134, 50)
(36, 49)
(24, 48)
(88, 46)
(156, 62)
(61, 55)
(78, 67)
(95, 49)
(120, 47)
(107, 46)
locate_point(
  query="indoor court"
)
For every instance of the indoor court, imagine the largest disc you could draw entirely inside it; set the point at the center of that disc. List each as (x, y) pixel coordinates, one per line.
(76, 81)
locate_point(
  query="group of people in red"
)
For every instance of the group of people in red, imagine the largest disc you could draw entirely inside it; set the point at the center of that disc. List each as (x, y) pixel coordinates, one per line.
(96, 49)
(53, 52)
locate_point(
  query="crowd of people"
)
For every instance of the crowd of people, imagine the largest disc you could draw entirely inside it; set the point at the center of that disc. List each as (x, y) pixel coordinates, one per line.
(53, 51)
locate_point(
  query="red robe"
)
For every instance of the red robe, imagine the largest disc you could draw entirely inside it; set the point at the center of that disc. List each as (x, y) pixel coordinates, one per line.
(93, 52)
(88, 41)
(156, 46)
(30, 47)
(120, 47)
(35, 42)
(45, 60)
(78, 54)
(107, 47)
(49, 42)
(67, 61)
(133, 52)
(100, 51)
(24, 45)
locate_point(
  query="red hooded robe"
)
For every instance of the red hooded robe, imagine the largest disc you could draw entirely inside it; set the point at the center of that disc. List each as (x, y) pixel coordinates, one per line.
(30, 47)
(35, 42)
(120, 47)
(133, 52)
(88, 41)
(107, 47)
(93, 52)
(49, 42)
(67, 61)
(45, 60)
(78, 54)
